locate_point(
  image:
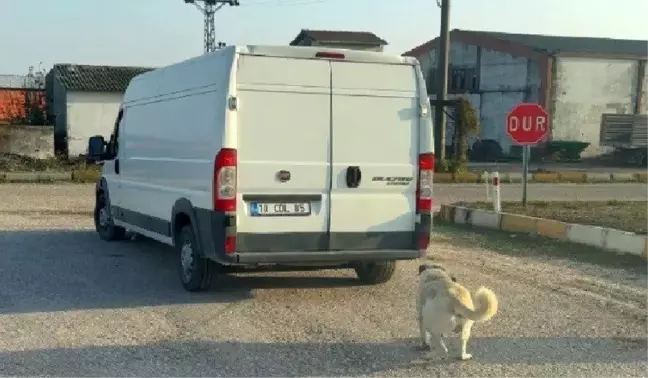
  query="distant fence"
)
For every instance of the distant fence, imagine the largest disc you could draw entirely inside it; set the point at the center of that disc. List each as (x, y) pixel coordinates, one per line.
(32, 141)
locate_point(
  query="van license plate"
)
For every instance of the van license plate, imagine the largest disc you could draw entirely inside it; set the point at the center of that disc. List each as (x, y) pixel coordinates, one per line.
(280, 209)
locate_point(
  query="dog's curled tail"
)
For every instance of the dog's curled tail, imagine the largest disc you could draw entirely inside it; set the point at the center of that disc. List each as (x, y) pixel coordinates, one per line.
(485, 306)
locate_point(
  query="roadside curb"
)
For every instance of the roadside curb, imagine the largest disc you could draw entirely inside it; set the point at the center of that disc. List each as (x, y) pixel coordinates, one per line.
(544, 177)
(608, 239)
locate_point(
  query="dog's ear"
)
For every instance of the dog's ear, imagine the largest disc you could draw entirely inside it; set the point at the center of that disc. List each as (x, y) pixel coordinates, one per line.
(422, 267)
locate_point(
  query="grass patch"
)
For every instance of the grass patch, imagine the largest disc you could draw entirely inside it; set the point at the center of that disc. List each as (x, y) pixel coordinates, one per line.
(622, 215)
(81, 172)
(522, 245)
(89, 174)
(19, 163)
(546, 177)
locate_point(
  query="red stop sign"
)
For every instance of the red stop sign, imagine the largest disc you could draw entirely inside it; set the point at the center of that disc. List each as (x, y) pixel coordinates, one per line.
(527, 124)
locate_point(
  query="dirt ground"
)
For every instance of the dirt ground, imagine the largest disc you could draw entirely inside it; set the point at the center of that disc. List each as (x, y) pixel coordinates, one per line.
(622, 215)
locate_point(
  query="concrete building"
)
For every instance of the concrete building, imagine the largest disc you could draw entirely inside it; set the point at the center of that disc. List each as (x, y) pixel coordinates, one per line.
(353, 40)
(575, 79)
(83, 101)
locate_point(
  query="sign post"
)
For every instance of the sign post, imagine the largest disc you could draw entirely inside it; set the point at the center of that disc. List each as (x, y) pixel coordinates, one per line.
(527, 124)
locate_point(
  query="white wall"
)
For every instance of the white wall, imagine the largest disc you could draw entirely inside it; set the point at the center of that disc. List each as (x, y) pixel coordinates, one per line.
(585, 88)
(88, 114)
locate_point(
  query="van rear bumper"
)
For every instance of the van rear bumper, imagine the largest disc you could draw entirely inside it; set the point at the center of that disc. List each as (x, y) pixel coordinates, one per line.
(327, 256)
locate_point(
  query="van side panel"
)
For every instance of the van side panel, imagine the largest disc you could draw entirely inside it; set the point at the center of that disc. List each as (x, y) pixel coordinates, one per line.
(173, 127)
(375, 128)
(283, 125)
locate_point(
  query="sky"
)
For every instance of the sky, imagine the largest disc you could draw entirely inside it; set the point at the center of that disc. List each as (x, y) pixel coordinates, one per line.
(154, 33)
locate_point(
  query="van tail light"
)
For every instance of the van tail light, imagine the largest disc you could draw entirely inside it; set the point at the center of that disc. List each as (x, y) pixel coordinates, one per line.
(424, 183)
(224, 191)
(224, 184)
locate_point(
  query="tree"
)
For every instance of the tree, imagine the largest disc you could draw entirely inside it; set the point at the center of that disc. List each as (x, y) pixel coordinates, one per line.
(466, 123)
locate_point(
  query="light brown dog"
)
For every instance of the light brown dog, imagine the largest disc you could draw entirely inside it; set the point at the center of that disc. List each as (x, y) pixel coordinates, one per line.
(445, 306)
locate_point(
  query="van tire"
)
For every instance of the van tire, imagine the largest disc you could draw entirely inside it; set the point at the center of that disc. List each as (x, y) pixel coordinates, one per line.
(373, 273)
(195, 270)
(104, 222)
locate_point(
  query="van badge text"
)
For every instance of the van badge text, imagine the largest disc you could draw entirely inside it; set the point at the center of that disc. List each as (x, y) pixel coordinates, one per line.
(393, 180)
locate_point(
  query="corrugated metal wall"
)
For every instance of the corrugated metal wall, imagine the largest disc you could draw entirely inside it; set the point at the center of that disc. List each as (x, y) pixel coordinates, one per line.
(504, 81)
(584, 89)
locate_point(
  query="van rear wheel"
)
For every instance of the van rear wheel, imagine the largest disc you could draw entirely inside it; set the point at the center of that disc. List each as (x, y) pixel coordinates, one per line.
(373, 273)
(195, 270)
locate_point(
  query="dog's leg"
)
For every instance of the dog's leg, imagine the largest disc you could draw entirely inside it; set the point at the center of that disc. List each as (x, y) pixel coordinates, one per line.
(443, 346)
(465, 335)
(425, 336)
(438, 341)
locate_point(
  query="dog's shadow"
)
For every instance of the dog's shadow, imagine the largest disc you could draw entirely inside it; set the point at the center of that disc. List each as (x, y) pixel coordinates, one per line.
(537, 350)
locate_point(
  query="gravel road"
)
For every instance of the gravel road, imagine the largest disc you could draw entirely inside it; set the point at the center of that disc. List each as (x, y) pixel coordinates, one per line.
(71, 305)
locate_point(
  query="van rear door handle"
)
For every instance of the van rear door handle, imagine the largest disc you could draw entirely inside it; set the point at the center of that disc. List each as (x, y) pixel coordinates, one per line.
(353, 176)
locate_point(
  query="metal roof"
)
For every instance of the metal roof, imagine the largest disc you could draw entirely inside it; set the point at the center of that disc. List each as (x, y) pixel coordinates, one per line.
(13, 81)
(86, 78)
(340, 36)
(558, 44)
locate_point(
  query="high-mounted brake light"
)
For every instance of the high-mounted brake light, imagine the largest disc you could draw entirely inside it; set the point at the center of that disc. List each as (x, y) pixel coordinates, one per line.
(424, 183)
(329, 55)
(224, 184)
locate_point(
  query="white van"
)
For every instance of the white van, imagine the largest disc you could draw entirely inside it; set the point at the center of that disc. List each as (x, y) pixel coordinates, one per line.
(270, 155)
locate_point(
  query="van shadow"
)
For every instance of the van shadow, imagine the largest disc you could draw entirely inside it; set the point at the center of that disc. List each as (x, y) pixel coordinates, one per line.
(240, 359)
(58, 270)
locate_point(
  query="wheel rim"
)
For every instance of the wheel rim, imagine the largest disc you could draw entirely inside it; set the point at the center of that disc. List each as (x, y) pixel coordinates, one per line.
(104, 218)
(186, 259)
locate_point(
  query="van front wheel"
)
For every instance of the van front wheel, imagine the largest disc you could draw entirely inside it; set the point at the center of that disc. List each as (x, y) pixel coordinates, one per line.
(373, 273)
(104, 223)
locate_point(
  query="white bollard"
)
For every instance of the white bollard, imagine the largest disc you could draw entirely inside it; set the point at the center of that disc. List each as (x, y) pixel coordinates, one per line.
(486, 179)
(497, 201)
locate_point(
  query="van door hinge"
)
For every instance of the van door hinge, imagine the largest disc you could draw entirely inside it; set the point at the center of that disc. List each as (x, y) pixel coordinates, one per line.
(232, 103)
(423, 110)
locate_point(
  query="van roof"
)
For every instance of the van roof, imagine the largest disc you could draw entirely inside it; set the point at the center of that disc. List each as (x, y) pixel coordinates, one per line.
(308, 52)
(298, 52)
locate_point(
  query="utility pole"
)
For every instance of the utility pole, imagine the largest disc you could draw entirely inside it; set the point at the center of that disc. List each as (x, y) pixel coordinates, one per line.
(210, 8)
(443, 53)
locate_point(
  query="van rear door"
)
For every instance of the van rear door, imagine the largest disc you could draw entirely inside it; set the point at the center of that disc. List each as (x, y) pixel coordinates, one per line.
(283, 137)
(375, 139)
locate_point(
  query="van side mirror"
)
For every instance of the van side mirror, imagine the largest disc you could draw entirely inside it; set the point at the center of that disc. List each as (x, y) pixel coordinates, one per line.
(97, 150)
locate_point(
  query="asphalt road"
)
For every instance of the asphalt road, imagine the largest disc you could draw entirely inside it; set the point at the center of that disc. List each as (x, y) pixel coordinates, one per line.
(509, 167)
(72, 305)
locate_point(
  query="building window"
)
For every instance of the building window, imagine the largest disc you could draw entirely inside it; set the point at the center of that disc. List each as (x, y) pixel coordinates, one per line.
(460, 80)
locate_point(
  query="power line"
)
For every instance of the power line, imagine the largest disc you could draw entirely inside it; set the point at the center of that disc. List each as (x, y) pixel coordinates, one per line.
(280, 3)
